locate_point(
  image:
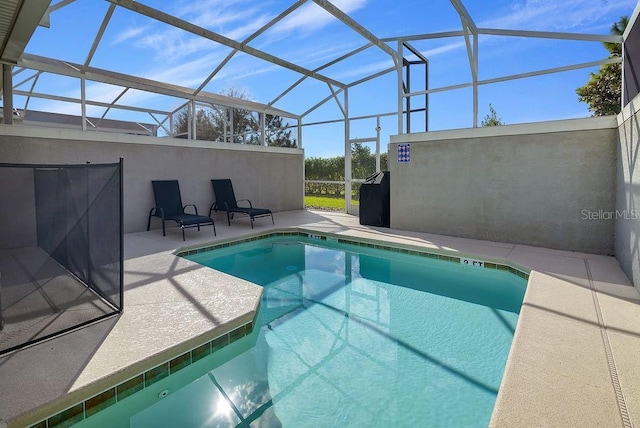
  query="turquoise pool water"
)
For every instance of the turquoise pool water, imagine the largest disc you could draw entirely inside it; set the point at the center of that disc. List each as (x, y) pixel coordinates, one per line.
(345, 336)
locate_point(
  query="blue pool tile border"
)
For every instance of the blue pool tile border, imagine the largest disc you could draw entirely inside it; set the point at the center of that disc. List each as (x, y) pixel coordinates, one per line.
(342, 240)
(86, 408)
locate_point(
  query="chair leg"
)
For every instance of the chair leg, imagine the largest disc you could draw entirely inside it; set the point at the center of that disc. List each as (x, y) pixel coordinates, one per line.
(214, 228)
(182, 227)
(272, 222)
(228, 218)
(164, 233)
(149, 219)
(251, 217)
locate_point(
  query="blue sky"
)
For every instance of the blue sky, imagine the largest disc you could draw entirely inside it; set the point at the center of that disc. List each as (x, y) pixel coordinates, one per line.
(310, 37)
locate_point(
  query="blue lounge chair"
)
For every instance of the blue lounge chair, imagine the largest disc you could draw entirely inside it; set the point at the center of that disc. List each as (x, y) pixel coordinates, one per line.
(169, 207)
(226, 201)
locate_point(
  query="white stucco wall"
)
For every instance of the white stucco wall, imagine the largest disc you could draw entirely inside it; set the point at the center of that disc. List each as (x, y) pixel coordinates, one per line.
(548, 184)
(270, 177)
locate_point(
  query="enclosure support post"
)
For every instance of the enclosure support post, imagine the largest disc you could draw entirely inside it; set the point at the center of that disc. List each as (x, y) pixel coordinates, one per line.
(194, 122)
(304, 171)
(7, 94)
(399, 65)
(347, 154)
(121, 172)
(378, 144)
(475, 81)
(83, 102)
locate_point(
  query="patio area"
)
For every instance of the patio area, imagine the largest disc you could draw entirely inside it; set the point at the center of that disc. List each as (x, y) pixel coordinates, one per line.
(573, 361)
(550, 191)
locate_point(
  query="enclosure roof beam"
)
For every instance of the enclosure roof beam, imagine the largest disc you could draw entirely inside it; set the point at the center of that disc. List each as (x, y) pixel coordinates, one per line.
(333, 94)
(590, 64)
(104, 76)
(96, 41)
(416, 52)
(218, 38)
(350, 22)
(471, 53)
(468, 26)
(113, 103)
(260, 31)
(552, 35)
(89, 102)
(465, 16)
(372, 76)
(425, 36)
(519, 76)
(60, 5)
(368, 116)
(512, 33)
(322, 67)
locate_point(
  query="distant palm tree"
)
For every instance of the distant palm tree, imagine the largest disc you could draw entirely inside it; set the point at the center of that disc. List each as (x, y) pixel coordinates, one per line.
(617, 29)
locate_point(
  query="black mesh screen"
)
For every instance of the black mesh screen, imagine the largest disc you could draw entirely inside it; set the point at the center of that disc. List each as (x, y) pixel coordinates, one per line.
(60, 249)
(104, 229)
(631, 84)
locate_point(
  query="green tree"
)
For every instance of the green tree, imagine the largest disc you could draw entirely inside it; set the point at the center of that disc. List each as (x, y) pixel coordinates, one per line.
(363, 164)
(492, 118)
(324, 169)
(603, 91)
(206, 124)
(276, 132)
(213, 123)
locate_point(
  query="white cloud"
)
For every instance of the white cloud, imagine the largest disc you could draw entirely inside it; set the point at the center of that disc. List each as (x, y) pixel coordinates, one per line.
(458, 45)
(553, 15)
(189, 73)
(244, 31)
(205, 8)
(240, 72)
(172, 44)
(319, 55)
(364, 70)
(311, 17)
(128, 34)
(235, 19)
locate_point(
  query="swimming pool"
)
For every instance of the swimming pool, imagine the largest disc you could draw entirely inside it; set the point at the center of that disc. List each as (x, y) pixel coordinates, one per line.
(346, 336)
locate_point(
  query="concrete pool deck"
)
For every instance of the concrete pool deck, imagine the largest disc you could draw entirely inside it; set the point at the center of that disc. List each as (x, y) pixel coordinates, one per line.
(574, 359)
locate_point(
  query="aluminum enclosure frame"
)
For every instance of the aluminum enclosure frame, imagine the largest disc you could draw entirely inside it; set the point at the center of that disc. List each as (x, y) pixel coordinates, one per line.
(399, 49)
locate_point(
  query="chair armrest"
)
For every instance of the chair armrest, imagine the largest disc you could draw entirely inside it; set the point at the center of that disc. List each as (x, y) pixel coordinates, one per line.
(190, 205)
(154, 212)
(247, 200)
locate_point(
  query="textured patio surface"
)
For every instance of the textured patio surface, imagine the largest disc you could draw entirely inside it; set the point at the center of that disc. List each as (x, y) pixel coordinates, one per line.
(40, 297)
(574, 359)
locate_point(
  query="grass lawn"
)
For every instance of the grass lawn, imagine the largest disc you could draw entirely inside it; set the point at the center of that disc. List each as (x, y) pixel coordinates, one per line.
(326, 202)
